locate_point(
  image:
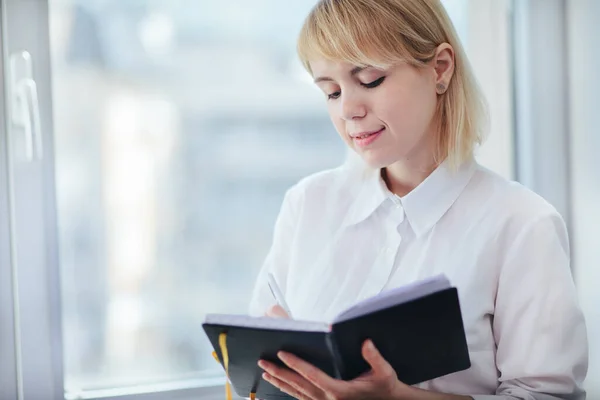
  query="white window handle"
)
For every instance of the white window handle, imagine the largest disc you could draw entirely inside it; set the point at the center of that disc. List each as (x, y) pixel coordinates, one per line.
(24, 110)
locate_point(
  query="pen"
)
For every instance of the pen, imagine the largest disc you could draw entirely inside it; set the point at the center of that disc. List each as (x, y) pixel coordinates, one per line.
(278, 295)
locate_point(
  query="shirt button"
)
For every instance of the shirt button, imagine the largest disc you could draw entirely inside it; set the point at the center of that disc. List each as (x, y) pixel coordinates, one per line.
(397, 202)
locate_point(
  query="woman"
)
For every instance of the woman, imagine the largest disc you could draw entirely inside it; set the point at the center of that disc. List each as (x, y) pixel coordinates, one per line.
(401, 94)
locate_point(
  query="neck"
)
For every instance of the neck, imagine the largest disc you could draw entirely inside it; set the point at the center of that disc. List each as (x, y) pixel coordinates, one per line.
(404, 176)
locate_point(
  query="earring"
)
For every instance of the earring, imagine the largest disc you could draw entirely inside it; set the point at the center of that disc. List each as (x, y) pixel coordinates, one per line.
(440, 88)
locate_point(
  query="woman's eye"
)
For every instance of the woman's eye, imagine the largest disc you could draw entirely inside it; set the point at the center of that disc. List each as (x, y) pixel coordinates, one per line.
(334, 95)
(374, 84)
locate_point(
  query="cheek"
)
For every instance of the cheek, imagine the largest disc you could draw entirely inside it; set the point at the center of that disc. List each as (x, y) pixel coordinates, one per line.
(409, 111)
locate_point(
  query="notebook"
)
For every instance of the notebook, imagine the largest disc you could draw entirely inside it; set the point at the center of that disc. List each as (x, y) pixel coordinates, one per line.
(418, 329)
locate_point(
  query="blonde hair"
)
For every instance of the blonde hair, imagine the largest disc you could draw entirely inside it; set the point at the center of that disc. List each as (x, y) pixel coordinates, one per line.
(382, 33)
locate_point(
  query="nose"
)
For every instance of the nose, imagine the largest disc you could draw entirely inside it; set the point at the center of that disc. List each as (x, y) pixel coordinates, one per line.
(352, 108)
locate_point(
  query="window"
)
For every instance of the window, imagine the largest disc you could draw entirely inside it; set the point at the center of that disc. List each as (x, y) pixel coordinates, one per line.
(178, 127)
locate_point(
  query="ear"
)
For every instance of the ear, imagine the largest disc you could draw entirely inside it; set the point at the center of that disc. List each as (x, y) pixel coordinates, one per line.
(443, 63)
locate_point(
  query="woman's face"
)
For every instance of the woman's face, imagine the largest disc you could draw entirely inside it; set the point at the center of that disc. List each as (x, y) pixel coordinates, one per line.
(385, 116)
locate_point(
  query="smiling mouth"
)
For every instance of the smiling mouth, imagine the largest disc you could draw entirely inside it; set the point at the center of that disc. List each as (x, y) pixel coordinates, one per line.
(368, 134)
(366, 139)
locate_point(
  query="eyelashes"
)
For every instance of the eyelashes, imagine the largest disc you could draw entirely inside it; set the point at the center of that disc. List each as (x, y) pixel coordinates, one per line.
(370, 85)
(374, 84)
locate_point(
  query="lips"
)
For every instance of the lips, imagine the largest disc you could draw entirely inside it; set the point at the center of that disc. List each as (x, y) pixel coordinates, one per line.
(366, 134)
(364, 139)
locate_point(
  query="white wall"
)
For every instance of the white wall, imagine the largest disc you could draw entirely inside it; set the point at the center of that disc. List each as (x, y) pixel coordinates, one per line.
(584, 49)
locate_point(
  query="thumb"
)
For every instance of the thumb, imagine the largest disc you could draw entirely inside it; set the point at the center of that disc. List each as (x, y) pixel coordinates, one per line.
(374, 358)
(277, 311)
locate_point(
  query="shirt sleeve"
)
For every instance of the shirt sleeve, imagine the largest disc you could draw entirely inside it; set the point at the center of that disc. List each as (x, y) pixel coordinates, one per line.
(539, 328)
(278, 258)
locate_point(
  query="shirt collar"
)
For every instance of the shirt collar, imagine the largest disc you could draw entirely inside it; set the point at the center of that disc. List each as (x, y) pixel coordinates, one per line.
(424, 206)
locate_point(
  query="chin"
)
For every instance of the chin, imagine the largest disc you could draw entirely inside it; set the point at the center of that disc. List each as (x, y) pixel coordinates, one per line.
(376, 161)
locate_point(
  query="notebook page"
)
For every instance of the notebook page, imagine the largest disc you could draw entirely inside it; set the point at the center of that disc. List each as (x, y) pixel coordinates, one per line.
(402, 294)
(265, 323)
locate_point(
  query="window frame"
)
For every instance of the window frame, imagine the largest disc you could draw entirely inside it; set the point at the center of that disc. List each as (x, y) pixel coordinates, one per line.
(8, 364)
(584, 135)
(180, 390)
(33, 311)
(541, 101)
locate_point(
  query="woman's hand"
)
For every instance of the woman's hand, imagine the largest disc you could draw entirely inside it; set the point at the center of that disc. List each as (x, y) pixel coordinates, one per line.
(276, 312)
(307, 382)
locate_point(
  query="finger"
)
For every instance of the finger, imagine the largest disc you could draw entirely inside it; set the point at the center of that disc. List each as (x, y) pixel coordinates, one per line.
(285, 387)
(291, 379)
(372, 356)
(277, 311)
(308, 371)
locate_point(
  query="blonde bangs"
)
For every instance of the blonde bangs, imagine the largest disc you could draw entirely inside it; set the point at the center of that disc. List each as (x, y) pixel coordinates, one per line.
(353, 31)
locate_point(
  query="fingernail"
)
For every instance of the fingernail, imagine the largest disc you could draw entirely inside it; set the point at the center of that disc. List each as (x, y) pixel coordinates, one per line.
(264, 365)
(370, 346)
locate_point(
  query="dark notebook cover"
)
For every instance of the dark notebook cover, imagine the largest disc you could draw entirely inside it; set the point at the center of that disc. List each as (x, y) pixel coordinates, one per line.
(422, 339)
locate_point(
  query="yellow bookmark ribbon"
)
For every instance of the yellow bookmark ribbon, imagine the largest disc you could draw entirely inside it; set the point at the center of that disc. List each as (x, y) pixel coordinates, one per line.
(225, 354)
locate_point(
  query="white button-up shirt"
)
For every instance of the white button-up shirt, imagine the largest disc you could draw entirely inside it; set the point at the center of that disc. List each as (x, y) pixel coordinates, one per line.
(342, 236)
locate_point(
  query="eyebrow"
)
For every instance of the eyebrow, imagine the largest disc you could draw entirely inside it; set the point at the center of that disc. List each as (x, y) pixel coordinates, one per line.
(354, 71)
